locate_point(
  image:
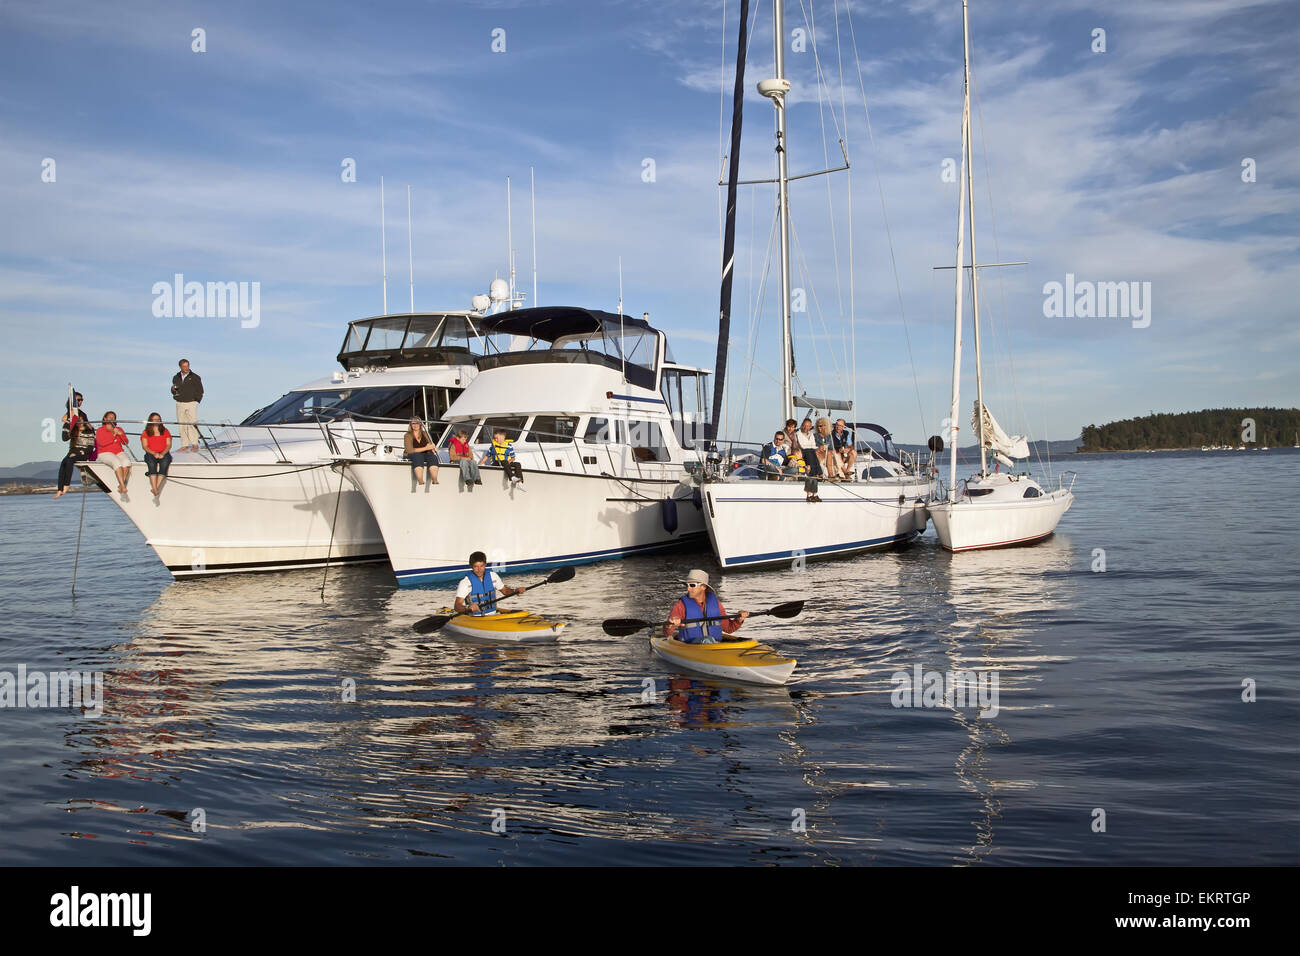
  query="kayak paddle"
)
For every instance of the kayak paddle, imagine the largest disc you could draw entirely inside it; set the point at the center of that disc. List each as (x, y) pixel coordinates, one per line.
(623, 626)
(430, 624)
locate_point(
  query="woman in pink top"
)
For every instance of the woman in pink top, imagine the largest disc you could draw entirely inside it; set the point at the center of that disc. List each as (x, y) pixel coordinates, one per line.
(110, 448)
(157, 442)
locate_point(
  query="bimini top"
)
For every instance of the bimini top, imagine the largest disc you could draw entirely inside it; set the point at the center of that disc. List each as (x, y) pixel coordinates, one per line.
(570, 335)
(420, 338)
(552, 323)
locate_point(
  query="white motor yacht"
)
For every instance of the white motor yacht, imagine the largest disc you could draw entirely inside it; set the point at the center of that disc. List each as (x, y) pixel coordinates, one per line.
(603, 425)
(262, 495)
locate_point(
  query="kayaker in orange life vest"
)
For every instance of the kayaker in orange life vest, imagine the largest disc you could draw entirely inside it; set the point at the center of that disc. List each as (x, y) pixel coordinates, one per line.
(697, 603)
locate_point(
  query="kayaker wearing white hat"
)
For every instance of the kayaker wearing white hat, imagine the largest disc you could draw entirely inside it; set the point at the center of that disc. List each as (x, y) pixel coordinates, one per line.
(699, 602)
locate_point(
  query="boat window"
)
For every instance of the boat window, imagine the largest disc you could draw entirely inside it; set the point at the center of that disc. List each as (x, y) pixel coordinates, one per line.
(1031, 492)
(512, 425)
(395, 404)
(879, 471)
(684, 394)
(387, 333)
(978, 492)
(646, 441)
(598, 432)
(553, 428)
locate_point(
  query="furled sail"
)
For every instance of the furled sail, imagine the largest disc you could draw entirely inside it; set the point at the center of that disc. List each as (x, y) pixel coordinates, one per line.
(1003, 446)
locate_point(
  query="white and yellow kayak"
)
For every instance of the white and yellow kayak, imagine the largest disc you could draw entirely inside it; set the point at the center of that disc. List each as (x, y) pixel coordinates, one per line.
(513, 626)
(747, 661)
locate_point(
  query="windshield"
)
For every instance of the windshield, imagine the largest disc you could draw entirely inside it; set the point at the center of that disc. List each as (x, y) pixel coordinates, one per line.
(394, 404)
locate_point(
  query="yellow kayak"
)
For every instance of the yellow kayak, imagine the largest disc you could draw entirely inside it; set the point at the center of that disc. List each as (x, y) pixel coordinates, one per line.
(747, 661)
(515, 626)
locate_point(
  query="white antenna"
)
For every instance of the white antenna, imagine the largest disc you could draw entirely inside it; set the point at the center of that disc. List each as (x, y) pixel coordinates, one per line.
(622, 349)
(410, 254)
(510, 245)
(383, 242)
(532, 192)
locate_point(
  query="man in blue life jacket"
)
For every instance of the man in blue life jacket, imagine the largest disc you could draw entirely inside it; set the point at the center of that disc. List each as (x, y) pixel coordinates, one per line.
(697, 603)
(477, 591)
(774, 457)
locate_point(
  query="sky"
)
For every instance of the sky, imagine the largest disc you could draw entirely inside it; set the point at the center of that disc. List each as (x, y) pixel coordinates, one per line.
(1171, 158)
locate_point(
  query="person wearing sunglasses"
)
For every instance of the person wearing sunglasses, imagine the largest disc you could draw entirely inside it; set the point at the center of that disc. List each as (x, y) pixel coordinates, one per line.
(110, 448)
(699, 602)
(774, 455)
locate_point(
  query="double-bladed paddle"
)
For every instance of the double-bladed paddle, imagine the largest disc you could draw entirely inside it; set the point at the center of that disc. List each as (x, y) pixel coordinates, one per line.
(623, 626)
(435, 622)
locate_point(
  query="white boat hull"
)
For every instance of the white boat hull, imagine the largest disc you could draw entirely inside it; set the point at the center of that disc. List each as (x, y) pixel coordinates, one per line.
(218, 518)
(553, 519)
(755, 523)
(969, 524)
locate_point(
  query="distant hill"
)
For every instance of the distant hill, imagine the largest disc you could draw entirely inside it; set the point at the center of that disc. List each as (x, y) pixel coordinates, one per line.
(1214, 426)
(31, 471)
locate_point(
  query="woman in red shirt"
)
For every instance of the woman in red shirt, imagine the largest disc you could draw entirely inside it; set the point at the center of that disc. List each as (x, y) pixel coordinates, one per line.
(157, 442)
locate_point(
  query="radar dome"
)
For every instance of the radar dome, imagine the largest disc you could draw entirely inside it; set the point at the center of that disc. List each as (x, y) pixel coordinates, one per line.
(481, 302)
(499, 290)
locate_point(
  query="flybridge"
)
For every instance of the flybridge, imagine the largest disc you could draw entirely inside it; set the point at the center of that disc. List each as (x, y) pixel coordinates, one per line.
(580, 336)
(431, 338)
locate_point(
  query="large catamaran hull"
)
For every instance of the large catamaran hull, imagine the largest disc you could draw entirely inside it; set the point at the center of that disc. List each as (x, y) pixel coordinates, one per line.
(553, 519)
(257, 516)
(766, 523)
(969, 524)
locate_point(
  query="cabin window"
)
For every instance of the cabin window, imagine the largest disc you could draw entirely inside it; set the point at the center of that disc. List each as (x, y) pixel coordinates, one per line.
(646, 441)
(1031, 492)
(548, 429)
(599, 432)
(362, 404)
(879, 471)
(512, 425)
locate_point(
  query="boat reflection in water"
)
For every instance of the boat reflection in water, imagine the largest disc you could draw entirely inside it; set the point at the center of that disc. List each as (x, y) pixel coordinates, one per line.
(992, 598)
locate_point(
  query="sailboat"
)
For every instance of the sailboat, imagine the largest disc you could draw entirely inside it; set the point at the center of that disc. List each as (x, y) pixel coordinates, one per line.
(1002, 508)
(755, 522)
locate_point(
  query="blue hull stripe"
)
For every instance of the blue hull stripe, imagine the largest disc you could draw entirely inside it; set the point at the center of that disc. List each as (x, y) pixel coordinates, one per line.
(637, 398)
(417, 576)
(782, 556)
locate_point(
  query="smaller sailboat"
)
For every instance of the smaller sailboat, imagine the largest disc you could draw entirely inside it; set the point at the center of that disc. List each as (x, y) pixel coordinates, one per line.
(992, 509)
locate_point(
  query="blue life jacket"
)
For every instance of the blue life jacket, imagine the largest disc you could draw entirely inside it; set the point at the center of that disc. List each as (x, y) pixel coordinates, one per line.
(695, 635)
(482, 592)
(776, 457)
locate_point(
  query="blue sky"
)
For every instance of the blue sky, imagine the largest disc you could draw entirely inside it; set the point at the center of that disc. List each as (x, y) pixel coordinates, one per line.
(225, 166)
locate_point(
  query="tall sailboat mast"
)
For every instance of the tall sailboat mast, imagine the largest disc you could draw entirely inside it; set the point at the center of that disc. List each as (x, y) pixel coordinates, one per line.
(783, 211)
(955, 420)
(969, 161)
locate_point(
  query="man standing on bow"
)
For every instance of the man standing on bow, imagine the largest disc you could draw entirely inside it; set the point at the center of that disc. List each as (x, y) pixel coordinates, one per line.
(187, 389)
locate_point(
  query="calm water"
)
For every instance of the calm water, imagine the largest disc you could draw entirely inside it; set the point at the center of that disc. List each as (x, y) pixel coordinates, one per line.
(1118, 690)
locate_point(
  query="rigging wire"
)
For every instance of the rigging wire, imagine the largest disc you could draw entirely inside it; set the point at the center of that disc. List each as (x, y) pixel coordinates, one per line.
(875, 163)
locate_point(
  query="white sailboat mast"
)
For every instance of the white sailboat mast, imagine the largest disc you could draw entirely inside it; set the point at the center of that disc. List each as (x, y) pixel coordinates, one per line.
(969, 161)
(410, 248)
(783, 212)
(955, 420)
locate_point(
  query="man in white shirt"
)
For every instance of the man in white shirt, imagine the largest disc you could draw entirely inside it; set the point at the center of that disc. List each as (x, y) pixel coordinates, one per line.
(807, 441)
(477, 591)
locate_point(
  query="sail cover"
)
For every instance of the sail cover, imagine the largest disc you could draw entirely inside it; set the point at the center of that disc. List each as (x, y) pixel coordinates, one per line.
(1003, 446)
